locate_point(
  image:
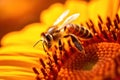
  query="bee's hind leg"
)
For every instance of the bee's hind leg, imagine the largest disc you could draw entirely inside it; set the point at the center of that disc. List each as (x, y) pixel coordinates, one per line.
(76, 42)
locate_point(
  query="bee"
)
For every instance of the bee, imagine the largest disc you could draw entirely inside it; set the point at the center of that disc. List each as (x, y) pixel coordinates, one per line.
(55, 34)
(74, 31)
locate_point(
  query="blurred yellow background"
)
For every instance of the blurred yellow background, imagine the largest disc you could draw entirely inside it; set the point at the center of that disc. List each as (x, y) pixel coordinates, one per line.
(15, 14)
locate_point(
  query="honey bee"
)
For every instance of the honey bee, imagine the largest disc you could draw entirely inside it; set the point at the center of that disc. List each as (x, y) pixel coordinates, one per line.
(55, 34)
(74, 31)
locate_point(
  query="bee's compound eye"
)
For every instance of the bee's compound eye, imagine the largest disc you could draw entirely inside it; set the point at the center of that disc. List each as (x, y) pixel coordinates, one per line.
(48, 37)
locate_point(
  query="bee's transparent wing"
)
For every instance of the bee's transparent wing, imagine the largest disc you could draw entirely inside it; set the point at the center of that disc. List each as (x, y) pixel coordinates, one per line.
(62, 16)
(69, 20)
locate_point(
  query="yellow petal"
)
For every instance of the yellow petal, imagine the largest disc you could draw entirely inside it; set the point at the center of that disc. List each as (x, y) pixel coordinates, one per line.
(103, 8)
(16, 73)
(27, 36)
(54, 11)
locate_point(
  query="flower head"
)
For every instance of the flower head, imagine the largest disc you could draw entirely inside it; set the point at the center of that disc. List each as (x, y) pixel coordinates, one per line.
(101, 60)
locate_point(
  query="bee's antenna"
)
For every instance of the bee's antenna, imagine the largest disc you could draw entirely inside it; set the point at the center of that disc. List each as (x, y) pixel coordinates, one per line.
(37, 43)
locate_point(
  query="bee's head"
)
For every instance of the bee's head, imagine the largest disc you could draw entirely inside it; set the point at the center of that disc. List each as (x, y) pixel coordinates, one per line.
(47, 39)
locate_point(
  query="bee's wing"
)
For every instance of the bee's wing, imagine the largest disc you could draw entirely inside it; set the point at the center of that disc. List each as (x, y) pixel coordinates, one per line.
(61, 17)
(69, 20)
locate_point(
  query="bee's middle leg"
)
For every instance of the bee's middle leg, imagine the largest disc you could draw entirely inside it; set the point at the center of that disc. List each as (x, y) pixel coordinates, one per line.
(61, 47)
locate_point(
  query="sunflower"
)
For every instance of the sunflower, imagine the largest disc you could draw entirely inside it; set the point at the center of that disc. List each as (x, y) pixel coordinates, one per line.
(20, 61)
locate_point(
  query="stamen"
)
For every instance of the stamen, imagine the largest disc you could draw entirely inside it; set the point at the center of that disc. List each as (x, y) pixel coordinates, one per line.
(92, 26)
(105, 35)
(100, 26)
(117, 18)
(55, 59)
(108, 23)
(35, 71)
(38, 78)
(42, 62)
(114, 35)
(88, 25)
(100, 19)
(44, 72)
(116, 24)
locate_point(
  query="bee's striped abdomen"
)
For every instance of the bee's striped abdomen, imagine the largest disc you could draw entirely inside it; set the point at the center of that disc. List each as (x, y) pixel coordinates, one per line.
(79, 31)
